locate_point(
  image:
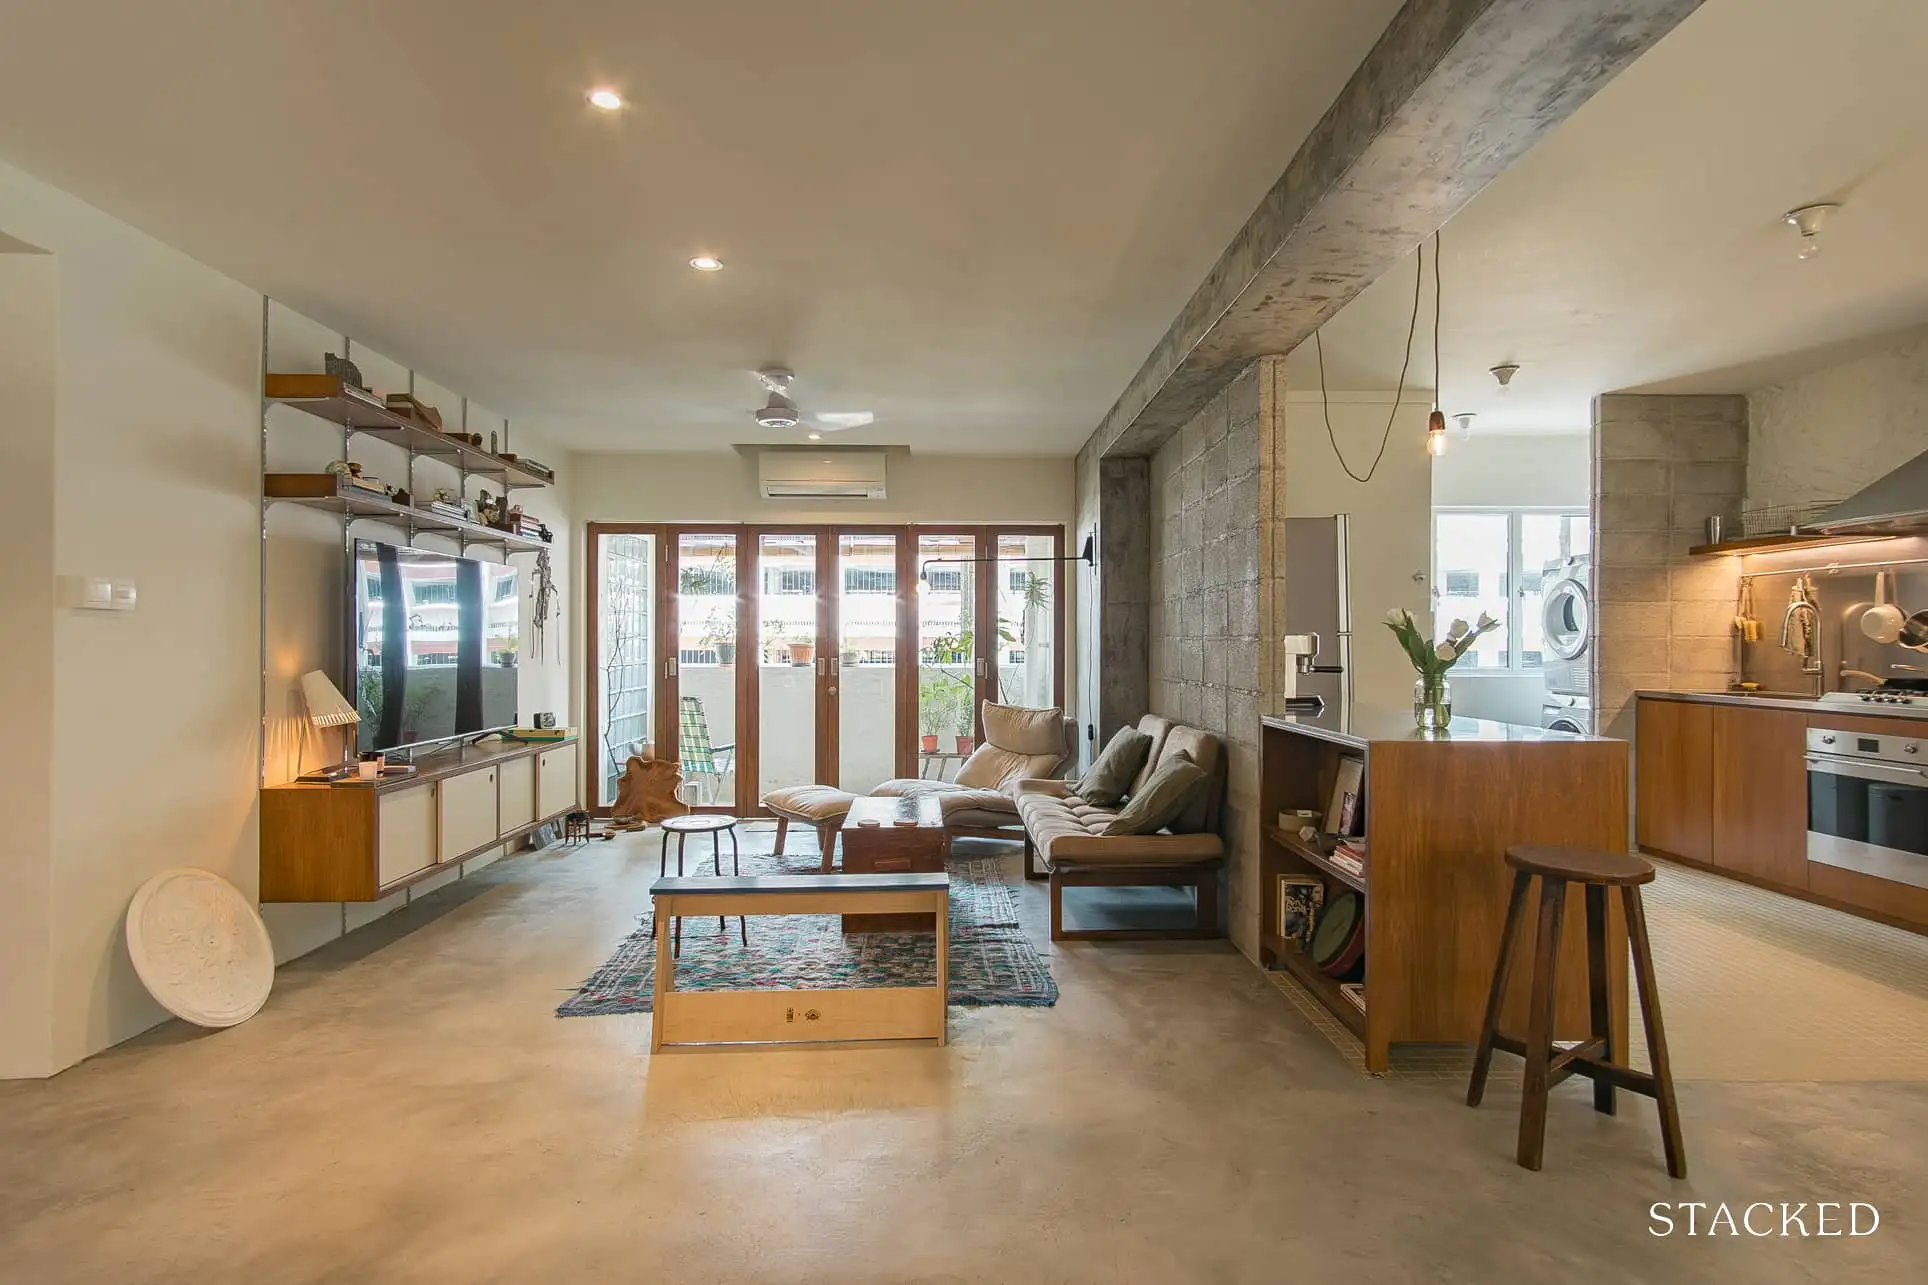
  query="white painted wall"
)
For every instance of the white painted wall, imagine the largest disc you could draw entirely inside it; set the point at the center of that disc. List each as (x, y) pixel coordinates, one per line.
(147, 725)
(1391, 528)
(1825, 435)
(1510, 470)
(29, 325)
(153, 747)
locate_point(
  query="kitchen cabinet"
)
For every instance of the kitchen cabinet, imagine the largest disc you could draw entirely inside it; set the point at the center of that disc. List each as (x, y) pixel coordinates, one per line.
(1760, 794)
(1674, 778)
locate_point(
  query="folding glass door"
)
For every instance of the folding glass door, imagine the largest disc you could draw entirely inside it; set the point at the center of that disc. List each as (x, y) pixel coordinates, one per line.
(864, 689)
(622, 648)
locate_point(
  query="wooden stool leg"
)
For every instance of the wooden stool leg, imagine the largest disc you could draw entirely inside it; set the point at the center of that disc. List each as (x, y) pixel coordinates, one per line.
(1599, 1006)
(662, 867)
(1643, 971)
(1539, 1024)
(1496, 998)
(783, 828)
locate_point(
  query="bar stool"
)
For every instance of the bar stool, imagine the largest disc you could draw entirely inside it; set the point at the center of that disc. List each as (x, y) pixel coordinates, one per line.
(1594, 1057)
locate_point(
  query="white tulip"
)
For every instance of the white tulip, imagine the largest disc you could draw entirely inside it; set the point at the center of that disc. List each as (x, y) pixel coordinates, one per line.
(1446, 651)
(1486, 621)
(1396, 617)
(1457, 629)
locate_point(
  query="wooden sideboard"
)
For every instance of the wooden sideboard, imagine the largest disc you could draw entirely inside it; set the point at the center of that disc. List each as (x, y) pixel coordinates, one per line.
(1440, 812)
(363, 842)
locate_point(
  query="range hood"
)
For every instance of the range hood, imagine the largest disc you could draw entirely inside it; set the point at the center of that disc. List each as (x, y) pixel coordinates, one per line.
(1895, 504)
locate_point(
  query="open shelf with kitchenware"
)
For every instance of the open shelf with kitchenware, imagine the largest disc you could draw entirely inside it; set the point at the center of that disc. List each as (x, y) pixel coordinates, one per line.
(1397, 935)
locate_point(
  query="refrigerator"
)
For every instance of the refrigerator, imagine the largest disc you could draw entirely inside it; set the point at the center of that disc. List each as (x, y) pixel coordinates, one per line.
(1317, 576)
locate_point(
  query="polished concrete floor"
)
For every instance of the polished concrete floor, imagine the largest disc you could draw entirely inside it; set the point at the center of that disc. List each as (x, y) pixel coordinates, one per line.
(408, 1109)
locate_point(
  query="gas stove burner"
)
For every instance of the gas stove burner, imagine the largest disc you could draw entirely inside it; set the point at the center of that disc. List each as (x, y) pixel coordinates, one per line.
(1892, 694)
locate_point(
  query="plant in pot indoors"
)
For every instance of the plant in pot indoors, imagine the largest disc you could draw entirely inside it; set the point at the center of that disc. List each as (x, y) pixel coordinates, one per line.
(1432, 694)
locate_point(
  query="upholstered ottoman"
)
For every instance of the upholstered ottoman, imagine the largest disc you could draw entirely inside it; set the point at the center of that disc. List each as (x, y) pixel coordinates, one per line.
(820, 806)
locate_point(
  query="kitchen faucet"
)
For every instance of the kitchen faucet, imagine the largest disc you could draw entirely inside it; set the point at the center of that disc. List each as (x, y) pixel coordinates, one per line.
(1799, 625)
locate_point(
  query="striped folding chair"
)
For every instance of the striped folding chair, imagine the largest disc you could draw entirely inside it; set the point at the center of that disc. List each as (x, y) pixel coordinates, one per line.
(704, 765)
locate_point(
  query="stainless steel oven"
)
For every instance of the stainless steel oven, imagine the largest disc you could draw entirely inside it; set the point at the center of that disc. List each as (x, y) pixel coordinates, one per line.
(1868, 804)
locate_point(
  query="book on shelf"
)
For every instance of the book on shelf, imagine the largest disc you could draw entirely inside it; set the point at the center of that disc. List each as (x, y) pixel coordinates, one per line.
(1348, 784)
(1300, 899)
(1347, 862)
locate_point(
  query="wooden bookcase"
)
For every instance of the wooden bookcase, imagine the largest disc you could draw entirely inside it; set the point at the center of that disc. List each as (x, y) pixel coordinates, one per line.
(1441, 810)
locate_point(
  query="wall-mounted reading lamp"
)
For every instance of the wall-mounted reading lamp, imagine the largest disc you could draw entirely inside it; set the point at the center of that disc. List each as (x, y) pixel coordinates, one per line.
(1087, 554)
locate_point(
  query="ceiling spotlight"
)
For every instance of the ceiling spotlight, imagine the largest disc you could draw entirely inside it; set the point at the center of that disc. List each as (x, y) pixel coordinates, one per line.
(1464, 422)
(707, 263)
(1504, 373)
(816, 437)
(1808, 221)
(605, 99)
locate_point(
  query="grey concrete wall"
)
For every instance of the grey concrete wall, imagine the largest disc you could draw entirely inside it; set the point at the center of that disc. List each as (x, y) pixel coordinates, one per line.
(1204, 614)
(1662, 465)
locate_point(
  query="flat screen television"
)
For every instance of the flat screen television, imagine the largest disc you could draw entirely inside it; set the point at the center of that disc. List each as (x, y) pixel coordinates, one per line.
(434, 645)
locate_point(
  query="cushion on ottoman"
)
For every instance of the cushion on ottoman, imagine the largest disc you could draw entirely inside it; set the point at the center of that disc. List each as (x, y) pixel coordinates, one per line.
(812, 804)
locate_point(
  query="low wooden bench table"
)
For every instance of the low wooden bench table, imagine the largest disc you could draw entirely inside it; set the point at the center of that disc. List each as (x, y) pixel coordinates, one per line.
(800, 1016)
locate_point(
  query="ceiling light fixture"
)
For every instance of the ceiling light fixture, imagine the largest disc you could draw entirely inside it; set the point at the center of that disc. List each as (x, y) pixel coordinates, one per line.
(1436, 422)
(1464, 419)
(707, 263)
(1808, 220)
(816, 437)
(1504, 373)
(605, 99)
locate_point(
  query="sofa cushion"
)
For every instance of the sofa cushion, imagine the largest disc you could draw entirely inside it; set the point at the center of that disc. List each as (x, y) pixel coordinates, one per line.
(952, 799)
(1115, 767)
(1066, 832)
(1024, 730)
(815, 804)
(1165, 796)
(992, 767)
(1158, 729)
(1208, 751)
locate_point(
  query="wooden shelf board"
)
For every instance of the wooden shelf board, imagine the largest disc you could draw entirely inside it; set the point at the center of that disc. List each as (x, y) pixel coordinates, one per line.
(321, 396)
(1313, 857)
(1774, 543)
(1323, 988)
(309, 489)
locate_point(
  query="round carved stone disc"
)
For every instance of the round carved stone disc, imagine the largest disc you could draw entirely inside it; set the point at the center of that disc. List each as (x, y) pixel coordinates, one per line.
(200, 948)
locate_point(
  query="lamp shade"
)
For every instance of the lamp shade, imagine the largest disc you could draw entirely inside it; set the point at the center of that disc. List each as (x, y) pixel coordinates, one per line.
(327, 707)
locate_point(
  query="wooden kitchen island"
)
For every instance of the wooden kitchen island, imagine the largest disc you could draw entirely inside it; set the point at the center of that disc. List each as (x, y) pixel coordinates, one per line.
(1440, 811)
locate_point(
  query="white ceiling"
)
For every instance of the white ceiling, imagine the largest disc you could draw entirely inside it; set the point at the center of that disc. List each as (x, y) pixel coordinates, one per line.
(974, 219)
(1641, 245)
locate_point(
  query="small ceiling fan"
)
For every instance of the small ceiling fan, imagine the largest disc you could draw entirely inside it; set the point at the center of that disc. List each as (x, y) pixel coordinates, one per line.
(781, 412)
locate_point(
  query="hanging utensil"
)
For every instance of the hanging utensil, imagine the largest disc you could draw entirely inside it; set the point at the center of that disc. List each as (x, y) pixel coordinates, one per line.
(1883, 622)
(1745, 625)
(1914, 632)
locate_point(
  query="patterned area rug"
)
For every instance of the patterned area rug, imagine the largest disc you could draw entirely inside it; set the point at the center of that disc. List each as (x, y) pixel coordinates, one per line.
(992, 962)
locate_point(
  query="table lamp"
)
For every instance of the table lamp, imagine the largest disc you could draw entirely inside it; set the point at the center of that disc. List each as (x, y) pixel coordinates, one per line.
(327, 707)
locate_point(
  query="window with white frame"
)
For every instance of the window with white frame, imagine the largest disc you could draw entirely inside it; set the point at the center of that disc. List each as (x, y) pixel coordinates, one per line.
(1493, 561)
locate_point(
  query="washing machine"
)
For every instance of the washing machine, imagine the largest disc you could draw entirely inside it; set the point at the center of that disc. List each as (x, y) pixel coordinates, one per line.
(1567, 626)
(1566, 713)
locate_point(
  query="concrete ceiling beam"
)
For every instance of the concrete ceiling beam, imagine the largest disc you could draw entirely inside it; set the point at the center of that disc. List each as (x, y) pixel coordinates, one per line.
(1453, 93)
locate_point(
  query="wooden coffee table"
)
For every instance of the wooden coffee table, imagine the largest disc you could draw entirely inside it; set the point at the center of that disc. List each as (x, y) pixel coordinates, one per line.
(906, 836)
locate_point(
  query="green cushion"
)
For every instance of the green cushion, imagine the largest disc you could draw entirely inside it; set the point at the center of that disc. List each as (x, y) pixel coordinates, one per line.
(1111, 773)
(1174, 783)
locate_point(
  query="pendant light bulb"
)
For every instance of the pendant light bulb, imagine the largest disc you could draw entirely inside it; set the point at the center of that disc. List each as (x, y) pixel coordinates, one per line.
(1436, 434)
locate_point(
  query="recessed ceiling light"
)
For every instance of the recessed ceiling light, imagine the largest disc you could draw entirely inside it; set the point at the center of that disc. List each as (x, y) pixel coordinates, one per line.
(707, 263)
(605, 99)
(816, 437)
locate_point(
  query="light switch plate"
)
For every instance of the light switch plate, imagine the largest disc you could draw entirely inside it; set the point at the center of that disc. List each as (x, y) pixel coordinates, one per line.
(97, 593)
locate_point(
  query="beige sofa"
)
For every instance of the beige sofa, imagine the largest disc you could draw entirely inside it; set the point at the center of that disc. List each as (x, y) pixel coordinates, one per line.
(1019, 744)
(1067, 836)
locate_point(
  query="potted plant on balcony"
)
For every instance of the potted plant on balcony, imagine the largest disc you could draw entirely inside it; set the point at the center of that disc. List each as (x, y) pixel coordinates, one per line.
(803, 651)
(719, 636)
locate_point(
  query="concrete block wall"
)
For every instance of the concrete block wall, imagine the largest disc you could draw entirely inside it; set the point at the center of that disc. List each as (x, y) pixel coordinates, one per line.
(1204, 617)
(1662, 465)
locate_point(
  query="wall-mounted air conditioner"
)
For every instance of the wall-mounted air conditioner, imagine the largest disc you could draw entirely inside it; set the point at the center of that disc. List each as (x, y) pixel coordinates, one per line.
(820, 474)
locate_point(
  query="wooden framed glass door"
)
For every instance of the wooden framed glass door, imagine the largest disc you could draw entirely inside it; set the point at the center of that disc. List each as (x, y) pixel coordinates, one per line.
(765, 656)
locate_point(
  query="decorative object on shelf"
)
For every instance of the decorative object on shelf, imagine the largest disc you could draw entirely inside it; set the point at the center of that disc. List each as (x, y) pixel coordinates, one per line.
(492, 449)
(411, 407)
(542, 604)
(647, 791)
(447, 495)
(536, 467)
(1432, 694)
(327, 707)
(544, 719)
(1300, 899)
(345, 370)
(1339, 940)
(200, 948)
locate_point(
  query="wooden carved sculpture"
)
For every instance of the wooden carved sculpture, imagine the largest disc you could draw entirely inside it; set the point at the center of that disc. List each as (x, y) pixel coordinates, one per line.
(647, 792)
